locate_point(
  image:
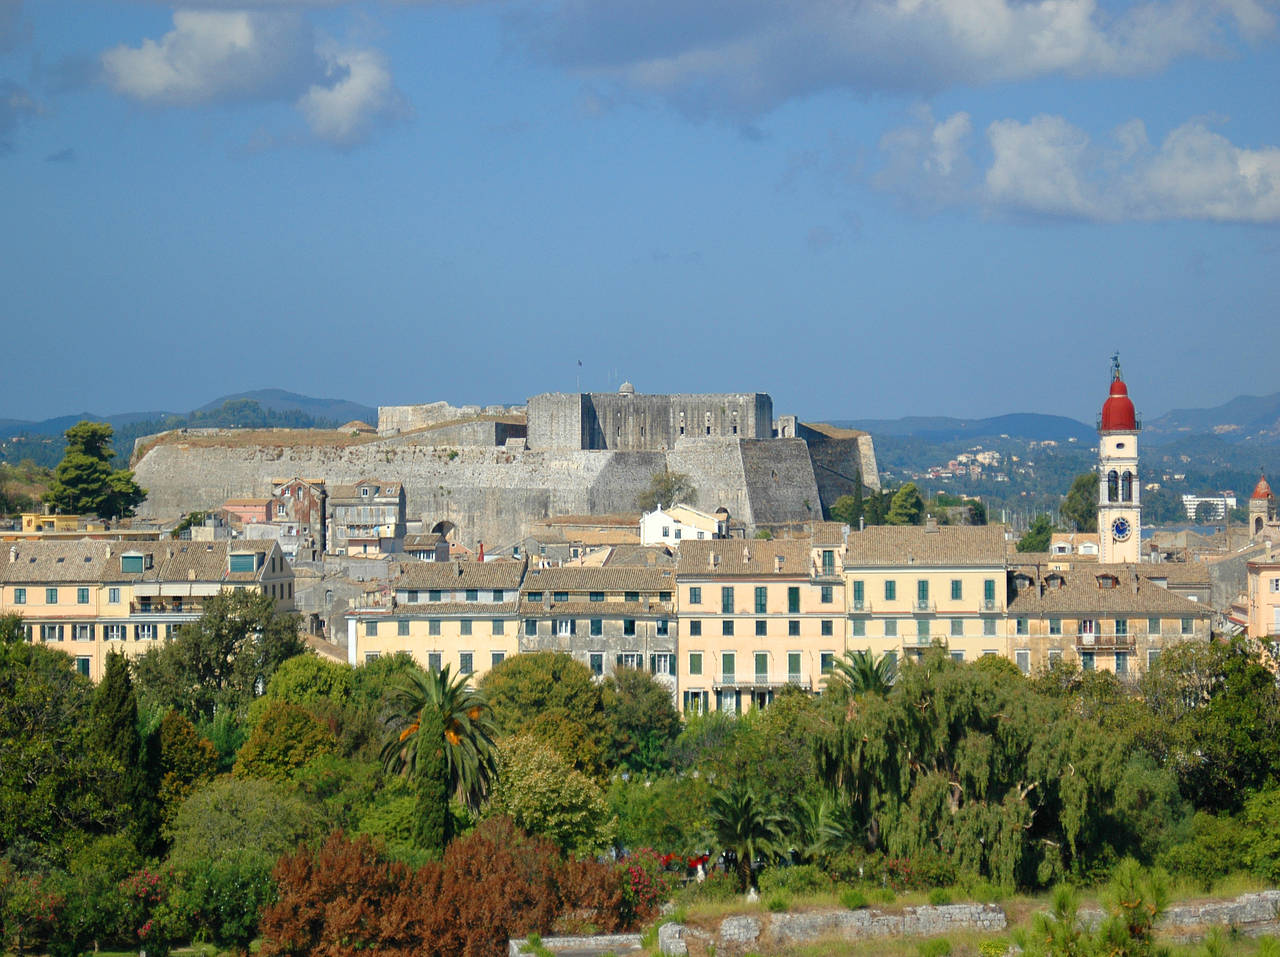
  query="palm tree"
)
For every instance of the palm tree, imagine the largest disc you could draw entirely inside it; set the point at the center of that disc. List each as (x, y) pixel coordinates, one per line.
(817, 828)
(469, 754)
(859, 672)
(740, 822)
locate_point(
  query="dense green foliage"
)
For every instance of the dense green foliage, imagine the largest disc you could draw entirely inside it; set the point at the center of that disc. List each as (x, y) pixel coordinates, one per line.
(85, 483)
(1037, 537)
(943, 774)
(221, 660)
(1080, 507)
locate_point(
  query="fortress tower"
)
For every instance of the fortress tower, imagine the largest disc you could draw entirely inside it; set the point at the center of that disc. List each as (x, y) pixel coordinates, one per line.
(1119, 505)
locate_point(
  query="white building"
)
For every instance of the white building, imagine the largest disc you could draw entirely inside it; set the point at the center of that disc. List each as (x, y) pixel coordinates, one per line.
(679, 522)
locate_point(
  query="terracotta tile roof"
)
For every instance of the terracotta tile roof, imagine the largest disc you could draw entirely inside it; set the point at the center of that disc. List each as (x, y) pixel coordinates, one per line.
(454, 575)
(609, 578)
(943, 545)
(457, 609)
(657, 555)
(1080, 593)
(425, 540)
(826, 534)
(36, 562)
(1177, 573)
(737, 558)
(597, 609)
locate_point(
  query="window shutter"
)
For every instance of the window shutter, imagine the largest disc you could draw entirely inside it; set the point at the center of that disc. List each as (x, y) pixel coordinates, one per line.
(653, 664)
(619, 661)
(573, 626)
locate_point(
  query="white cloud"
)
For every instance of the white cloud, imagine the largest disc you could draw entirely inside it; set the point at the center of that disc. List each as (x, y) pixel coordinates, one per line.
(746, 56)
(219, 56)
(214, 56)
(1049, 167)
(360, 95)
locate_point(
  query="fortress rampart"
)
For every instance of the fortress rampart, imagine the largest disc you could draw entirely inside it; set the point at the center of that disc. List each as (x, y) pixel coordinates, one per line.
(475, 468)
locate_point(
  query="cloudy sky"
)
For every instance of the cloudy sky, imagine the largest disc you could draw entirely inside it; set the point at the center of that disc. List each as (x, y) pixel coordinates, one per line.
(864, 207)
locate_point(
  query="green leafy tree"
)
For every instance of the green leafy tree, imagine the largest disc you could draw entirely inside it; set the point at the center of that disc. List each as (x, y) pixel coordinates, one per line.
(667, 812)
(232, 813)
(973, 765)
(1037, 536)
(223, 659)
(977, 512)
(849, 508)
(53, 782)
(425, 708)
(739, 821)
(538, 790)
(1080, 507)
(642, 719)
(551, 696)
(186, 761)
(287, 738)
(667, 488)
(907, 507)
(84, 481)
(114, 733)
(858, 673)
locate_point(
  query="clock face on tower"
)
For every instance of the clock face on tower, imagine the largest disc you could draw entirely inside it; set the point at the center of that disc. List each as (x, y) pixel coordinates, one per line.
(1120, 529)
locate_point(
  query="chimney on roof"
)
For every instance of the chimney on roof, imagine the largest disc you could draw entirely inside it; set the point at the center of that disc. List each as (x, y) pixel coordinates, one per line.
(13, 552)
(191, 574)
(930, 524)
(714, 559)
(459, 567)
(778, 561)
(746, 554)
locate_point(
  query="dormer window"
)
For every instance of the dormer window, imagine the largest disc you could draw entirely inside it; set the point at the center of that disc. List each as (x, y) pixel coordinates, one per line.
(1054, 581)
(364, 491)
(1108, 581)
(131, 564)
(243, 562)
(1021, 581)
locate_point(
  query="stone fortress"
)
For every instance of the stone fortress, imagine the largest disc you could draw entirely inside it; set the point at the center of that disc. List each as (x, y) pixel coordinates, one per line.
(490, 472)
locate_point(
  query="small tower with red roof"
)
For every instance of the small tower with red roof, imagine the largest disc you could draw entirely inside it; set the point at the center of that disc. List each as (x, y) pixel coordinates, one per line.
(1262, 509)
(1119, 492)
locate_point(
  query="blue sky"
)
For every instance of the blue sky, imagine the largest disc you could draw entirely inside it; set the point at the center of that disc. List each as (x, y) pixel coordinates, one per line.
(867, 209)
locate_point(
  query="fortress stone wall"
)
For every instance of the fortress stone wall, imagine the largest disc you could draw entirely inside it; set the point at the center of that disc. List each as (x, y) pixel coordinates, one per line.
(491, 494)
(493, 471)
(631, 421)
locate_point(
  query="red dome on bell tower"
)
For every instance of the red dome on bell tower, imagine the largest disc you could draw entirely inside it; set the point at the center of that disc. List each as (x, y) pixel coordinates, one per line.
(1117, 411)
(1263, 489)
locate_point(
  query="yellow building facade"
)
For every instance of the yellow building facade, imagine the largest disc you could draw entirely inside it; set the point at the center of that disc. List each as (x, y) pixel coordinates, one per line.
(910, 587)
(757, 616)
(89, 598)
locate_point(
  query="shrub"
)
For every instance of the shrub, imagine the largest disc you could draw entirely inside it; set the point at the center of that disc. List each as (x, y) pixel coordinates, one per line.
(592, 898)
(936, 947)
(28, 908)
(221, 899)
(994, 948)
(646, 885)
(804, 879)
(939, 897)
(852, 898)
(778, 901)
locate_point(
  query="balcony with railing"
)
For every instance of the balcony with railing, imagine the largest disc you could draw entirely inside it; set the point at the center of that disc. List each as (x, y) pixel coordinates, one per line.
(1103, 641)
(761, 681)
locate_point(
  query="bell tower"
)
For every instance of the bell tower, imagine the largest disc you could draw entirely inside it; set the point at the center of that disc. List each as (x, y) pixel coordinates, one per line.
(1119, 492)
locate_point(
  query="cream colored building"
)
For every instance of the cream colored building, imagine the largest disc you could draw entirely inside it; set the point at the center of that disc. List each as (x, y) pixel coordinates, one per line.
(1104, 617)
(457, 614)
(681, 523)
(1263, 606)
(910, 587)
(89, 598)
(757, 616)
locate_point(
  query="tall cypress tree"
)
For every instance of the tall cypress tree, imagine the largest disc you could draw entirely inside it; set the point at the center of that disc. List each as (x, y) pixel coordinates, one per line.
(432, 784)
(114, 734)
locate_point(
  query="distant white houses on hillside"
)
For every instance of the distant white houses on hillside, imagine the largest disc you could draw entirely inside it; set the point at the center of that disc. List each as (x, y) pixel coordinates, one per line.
(672, 525)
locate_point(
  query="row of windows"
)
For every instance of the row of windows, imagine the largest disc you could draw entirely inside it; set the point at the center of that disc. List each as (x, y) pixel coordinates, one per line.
(760, 659)
(827, 627)
(859, 593)
(924, 629)
(761, 596)
(413, 595)
(51, 595)
(1094, 626)
(498, 626)
(88, 631)
(1088, 660)
(563, 596)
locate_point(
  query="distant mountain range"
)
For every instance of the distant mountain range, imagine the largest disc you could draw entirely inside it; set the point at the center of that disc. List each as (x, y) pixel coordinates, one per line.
(338, 411)
(1245, 419)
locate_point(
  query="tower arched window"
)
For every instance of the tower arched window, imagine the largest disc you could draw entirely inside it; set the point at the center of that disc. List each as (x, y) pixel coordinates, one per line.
(1126, 487)
(1113, 486)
